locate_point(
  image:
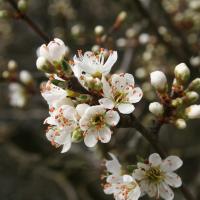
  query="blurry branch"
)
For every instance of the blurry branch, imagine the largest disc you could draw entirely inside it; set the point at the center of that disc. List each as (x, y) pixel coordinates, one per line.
(28, 20)
(155, 26)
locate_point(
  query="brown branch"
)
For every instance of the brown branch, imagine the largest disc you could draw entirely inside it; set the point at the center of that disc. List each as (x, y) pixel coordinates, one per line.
(29, 21)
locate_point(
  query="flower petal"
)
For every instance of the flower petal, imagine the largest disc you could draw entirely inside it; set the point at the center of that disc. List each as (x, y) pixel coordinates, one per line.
(127, 178)
(81, 108)
(138, 174)
(107, 91)
(152, 190)
(171, 163)
(126, 108)
(104, 134)
(113, 166)
(112, 118)
(135, 95)
(91, 138)
(135, 193)
(110, 62)
(129, 79)
(155, 159)
(106, 103)
(173, 180)
(165, 191)
(67, 144)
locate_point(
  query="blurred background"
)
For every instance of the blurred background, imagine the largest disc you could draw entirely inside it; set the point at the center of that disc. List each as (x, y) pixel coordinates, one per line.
(152, 34)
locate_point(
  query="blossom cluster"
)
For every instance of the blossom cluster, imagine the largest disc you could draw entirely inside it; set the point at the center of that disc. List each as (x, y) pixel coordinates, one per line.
(152, 177)
(179, 104)
(90, 114)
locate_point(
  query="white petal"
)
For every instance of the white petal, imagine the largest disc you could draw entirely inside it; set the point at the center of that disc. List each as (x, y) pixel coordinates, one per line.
(81, 108)
(144, 185)
(51, 121)
(152, 190)
(44, 52)
(134, 194)
(171, 163)
(67, 144)
(129, 79)
(109, 189)
(113, 166)
(173, 179)
(107, 91)
(91, 138)
(50, 134)
(115, 178)
(143, 166)
(127, 178)
(165, 191)
(138, 174)
(107, 103)
(110, 62)
(118, 81)
(155, 159)
(126, 108)
(135, 95)
(112, 117)
(104, 134)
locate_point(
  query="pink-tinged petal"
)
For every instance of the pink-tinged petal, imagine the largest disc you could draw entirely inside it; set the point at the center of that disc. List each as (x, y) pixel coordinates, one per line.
(173, 179)
(126, 108)
(165, 191)
(155, 159)
(115, 178)
(138, 174)
(112, 118)
(104, 134)
(129, 79)
(90, 138)
(107, 91)
(113, 166)
(171, 163)
(51, 121)
(135, 95)
(110, 62)
(107, 103)
(63, 136)
(50, 134)
(118, 82)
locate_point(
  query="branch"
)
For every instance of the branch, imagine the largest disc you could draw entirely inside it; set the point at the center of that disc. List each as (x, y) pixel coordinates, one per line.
(29, 21)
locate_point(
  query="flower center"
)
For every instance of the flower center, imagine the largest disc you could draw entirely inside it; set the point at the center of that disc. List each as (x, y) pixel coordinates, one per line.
(119, 96)
(154, 174)
(97, 74)
(98, 121)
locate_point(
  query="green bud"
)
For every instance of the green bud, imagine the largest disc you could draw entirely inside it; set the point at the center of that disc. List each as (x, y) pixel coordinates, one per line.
(182, 73)
(180, 124)
(77, 135)
(192, 96)
(4, 14)
(22, 5)
(195, 85)
(177, 102)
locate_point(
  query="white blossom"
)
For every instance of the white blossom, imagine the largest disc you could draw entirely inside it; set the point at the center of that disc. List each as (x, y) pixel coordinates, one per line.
(193, 111)
(122, 186)
(158, 81)
(54, 51)
(156, 176)
(92, 65)
(25, 77)
(182, 72)
(17, 95)
(120, 92)
(96, 123)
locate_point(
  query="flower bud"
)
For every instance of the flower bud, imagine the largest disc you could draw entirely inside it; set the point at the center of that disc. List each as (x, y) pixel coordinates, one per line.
(122, 16)
(177, 102)
(180, 124)
(12, 65)
(195, 85)
(42, 64)
(5, 74)
(156, 108)
(25, 77)
(193, 112)
(159, 81)
(192, 96)
(22, 5)
(99, 30)
(4, 14)
(77, 135)
(182, 73)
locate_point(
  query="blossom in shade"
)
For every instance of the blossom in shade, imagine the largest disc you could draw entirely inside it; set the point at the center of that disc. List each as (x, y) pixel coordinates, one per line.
(63, 122)
(156, 108)
(96, 123)
(122, 186)
(158, 81)
(156, 176)
(193, 111)
(54, 51)
(120, 92)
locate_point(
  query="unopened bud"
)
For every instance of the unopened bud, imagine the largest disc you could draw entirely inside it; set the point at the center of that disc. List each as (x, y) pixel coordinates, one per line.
(77, 135)
(22, 5)
(156, 108)
(4, 14)
(159, 81)
(180, 124)
(122, 16)
(177, 102)
(195, 85)
(192, 96)
(193, 112)
(12, 65)
(25, 77)
(42, 64)
(5, 74)
(182, 73)
(99, 30)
